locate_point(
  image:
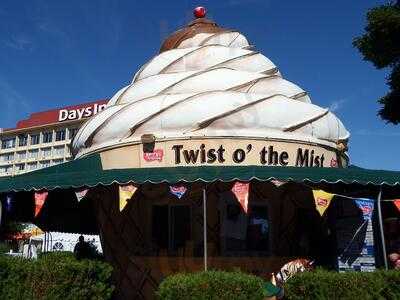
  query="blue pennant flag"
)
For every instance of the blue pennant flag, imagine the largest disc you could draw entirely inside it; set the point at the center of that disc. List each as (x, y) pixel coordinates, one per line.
(366, 206)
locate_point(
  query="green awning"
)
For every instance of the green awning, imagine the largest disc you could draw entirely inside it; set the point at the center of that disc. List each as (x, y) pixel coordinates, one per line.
(88, 172)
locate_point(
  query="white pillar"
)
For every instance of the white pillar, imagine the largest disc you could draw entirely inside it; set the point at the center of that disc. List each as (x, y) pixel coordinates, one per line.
(381, 228)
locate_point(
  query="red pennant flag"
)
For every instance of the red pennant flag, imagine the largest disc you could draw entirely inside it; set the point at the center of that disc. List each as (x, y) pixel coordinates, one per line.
(241, 191)
(397, 203)
(40, 199)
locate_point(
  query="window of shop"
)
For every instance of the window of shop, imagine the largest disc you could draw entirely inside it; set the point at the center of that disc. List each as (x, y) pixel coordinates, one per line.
(8, 143)
(22, 140)
(35, 139)
(171, 228)
(60, 135)
(47, 137)
(243, 233)
(257, 238)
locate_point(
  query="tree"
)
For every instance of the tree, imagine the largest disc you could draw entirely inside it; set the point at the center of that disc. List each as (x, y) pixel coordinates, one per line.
(380, 44)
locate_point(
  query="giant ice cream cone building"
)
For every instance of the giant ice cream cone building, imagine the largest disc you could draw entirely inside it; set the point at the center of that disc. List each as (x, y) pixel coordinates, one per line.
(209, 98)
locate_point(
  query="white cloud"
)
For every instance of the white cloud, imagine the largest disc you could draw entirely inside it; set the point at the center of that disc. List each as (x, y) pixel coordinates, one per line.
(19, 42)
(337, 105)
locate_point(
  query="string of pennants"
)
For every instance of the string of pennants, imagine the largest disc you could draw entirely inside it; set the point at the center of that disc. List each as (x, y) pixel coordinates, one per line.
(240, 189)
(323, 199)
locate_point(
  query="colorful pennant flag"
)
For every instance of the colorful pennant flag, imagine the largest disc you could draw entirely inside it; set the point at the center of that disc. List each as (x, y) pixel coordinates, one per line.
(80, 194)
(322, 200)
(178, 190)
(241, 191)
(126, 192)
(397, 204)
(366, 206)
(40, 199)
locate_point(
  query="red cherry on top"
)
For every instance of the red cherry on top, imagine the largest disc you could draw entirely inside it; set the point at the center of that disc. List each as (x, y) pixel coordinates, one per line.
(199, 12)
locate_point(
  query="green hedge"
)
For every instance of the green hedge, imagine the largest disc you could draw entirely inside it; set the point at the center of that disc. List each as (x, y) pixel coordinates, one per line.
(54, 276)
(212, 285)
(322, 284)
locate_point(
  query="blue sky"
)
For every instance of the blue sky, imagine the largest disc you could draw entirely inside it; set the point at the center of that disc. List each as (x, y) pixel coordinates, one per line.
(55, 53)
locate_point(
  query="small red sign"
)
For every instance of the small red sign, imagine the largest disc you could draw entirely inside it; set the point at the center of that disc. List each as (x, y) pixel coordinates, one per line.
(156, 155)
(322, 202)
(366, 210)
(334, 163)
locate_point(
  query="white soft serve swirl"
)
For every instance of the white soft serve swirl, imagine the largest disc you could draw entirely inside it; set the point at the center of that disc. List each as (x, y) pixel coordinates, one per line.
(212, 85)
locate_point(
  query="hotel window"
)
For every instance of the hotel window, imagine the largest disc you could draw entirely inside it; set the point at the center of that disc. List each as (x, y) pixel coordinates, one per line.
(72, 132)
(45, 164)
(35, 139)
(8, 143)
(47, 137)
(60, 135)
(59, 151)
(6, 169)
(20, 167)
(7, 157)
(21, 155)
(22, 140)
(32, 166)
(46, 152)
(57, 161)
(33, 153)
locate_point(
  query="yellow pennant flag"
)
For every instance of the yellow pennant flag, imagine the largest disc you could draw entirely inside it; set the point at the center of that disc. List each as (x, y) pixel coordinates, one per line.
(322, 200)
(125, 193)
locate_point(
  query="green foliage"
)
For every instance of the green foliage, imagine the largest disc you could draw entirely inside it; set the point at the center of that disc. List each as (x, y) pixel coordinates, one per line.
(212, 285)
(4, 248)
(322, 284)
(54, 276)
(381, 45)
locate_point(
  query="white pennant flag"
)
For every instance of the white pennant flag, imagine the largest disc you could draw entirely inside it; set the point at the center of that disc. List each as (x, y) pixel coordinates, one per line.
(80, 194)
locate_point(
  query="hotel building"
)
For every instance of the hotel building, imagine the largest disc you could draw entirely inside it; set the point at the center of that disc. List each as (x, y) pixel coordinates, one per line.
(43, 139)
